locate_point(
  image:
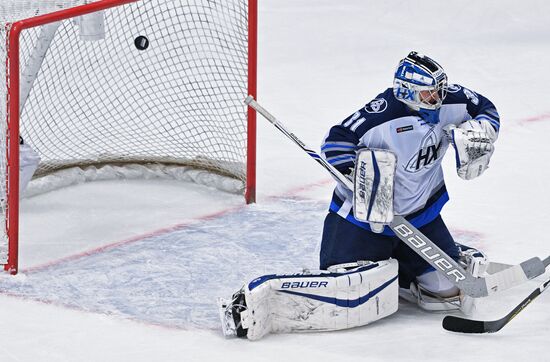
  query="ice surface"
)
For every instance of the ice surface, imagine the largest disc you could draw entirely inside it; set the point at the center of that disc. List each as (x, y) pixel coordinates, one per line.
(128, 270)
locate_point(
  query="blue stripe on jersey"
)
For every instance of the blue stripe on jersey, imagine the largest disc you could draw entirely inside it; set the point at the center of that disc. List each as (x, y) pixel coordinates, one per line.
(420, 219)
(492, 112)
(337, 160)
(494, 122)
(338, 146)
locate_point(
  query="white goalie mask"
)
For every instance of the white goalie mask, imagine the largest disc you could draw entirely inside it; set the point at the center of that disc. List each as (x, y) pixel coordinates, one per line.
(421, 83)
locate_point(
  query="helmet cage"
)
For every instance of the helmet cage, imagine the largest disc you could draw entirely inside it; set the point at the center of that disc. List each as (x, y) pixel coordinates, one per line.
(420, 82)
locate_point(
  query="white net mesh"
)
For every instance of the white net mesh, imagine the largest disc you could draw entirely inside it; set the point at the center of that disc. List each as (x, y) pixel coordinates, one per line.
(180, 101)
(13, 10)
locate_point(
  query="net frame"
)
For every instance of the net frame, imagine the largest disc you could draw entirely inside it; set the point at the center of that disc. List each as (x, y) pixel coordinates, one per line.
(14, 30)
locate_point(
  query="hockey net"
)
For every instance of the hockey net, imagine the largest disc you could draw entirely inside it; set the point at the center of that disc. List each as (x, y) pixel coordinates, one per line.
(178, 101)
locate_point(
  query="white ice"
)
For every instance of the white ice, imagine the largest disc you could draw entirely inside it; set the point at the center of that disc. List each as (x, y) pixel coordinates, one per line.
(129, 270)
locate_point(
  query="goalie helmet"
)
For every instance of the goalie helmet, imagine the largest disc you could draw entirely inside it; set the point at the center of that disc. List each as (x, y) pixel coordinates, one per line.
(421, 83)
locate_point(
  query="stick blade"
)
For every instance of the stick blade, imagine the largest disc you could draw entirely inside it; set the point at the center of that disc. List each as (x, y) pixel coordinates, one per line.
(461, 325)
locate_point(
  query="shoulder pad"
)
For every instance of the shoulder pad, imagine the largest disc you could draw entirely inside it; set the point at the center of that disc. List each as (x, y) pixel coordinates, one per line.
(385, 107)
(457, 94)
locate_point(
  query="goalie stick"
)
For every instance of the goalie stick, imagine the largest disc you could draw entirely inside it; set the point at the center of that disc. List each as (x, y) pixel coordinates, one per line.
(463, 325)
(423, 246)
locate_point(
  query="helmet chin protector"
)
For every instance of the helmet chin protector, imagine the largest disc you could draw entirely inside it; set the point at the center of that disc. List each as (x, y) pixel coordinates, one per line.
(421, 83)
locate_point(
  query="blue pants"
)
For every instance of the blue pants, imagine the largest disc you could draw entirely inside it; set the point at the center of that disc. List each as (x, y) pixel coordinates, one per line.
(344, 242)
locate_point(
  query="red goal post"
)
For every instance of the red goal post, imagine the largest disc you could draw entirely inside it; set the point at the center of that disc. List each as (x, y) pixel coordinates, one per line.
(209, 106)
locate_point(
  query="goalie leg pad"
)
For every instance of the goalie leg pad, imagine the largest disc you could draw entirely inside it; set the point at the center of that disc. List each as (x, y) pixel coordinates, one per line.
(323, 301)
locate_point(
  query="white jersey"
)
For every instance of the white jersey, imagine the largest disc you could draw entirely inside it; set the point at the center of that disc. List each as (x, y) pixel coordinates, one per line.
(386, 123)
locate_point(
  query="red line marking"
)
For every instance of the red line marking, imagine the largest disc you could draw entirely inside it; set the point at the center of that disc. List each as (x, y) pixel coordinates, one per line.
(169, 229)
(540, 117)
(477, 239)
(84, 310)
(291, 192)
(132, 239)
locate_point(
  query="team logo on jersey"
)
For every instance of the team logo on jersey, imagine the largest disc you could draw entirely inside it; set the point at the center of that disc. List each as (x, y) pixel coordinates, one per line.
(427, 155)
(453, 88)
(378, 105)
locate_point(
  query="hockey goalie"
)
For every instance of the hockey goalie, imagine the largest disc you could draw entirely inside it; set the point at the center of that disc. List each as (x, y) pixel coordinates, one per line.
(391, 152)
(345, 295)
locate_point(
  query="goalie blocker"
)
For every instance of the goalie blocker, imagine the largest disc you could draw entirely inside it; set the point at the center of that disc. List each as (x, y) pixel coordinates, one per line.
(345, 296)
(373, 187)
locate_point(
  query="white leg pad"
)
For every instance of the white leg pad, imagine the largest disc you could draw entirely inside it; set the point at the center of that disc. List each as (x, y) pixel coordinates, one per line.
(320, 302)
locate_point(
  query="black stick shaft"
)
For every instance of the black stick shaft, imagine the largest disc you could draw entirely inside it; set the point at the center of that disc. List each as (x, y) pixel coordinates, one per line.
(463, 325)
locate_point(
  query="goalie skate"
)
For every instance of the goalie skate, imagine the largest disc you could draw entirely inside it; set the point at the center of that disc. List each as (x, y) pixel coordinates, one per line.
(226, 317)
(230, 315)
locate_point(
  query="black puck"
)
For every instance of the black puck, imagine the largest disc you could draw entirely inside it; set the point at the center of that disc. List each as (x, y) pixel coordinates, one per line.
(141, 42)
